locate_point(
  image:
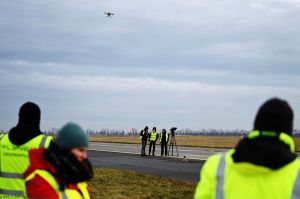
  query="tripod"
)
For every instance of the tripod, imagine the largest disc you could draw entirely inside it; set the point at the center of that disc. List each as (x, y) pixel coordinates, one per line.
(172, 144)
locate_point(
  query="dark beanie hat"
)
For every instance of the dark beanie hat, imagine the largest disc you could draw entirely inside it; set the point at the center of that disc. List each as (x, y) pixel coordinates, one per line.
(71, 136)
(275, 115)
(30, 113)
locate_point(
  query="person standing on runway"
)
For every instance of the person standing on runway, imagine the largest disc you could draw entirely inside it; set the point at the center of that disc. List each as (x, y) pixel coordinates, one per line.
(144, 137)
(164, 139)
(153, 138)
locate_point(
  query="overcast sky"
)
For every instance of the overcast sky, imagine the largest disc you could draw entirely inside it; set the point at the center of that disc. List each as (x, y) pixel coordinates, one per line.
(186, 63)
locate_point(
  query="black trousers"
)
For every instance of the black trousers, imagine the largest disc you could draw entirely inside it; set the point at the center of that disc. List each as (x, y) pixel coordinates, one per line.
(164, 147)
(152, 143)
(144, 143)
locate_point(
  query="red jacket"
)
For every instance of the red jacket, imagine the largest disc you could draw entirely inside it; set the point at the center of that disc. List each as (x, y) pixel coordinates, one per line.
(38, 187)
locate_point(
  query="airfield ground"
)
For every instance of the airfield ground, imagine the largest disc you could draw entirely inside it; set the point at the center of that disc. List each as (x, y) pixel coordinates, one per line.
(122, 176)
(194, 141)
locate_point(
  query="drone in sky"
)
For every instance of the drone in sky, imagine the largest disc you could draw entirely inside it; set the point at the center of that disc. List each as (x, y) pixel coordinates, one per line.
(109, 14)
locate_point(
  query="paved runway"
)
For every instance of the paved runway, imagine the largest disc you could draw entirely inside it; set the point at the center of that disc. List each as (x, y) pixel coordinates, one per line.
(172, 168)
(127, 156)
(196, 153)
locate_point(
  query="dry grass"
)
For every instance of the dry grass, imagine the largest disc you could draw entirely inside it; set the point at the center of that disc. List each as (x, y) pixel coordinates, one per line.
(122, 184)
(196, 141)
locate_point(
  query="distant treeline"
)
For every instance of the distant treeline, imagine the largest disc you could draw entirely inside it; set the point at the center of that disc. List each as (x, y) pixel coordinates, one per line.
(179, 132)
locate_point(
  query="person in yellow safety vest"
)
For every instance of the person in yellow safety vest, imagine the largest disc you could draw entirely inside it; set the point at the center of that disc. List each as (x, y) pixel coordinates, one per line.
(14, 148)
(164, 139)
(144, 137)
(61, 171)
(263, 164)
(153, 138)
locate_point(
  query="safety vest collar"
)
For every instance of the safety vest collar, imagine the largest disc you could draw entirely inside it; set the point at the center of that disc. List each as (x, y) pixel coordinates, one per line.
(283, 137)
(245, 167)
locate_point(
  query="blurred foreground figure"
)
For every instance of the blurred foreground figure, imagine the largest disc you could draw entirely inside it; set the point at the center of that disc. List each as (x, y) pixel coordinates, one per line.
(14, 148)
(61, 170)
(262, 166)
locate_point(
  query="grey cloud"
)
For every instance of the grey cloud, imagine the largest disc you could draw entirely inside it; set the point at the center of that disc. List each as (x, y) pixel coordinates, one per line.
(213, 56)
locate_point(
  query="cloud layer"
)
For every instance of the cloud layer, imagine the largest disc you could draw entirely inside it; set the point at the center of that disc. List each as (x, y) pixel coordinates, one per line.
(195, 64)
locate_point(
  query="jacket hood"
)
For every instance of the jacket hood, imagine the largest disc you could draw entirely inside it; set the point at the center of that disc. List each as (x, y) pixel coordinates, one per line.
(263, 151)
(22, 133)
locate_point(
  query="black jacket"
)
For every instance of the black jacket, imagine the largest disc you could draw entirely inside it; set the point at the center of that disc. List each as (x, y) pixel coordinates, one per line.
(264, 151)
(144, 134)
(22, 133)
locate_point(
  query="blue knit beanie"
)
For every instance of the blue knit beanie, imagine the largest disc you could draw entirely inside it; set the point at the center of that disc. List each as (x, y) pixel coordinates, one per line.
(71, 136)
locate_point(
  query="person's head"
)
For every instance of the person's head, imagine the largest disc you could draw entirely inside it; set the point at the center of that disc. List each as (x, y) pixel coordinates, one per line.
(154, 129)
(146, 128)
(275, 115)
(30, 115)
(164, 131)
(71, 137)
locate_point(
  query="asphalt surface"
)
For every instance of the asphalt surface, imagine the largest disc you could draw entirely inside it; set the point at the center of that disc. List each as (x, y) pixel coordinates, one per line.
(167, 167)
(186, 166)
(196, 153)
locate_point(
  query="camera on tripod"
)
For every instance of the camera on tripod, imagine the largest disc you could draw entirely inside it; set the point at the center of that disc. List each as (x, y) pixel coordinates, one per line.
(173, 129)
(173, 141)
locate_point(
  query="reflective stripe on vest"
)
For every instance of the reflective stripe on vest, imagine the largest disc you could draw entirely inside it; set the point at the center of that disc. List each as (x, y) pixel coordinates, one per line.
(11, 193)
(220, 180)
(43, 142)
(14, 160)
(296, 190)
(153, 136)
(67, 193)
(11, 175)
(2, 135)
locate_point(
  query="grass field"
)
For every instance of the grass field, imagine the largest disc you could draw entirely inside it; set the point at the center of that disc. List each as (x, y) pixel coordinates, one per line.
(196, 141)
(123, 184)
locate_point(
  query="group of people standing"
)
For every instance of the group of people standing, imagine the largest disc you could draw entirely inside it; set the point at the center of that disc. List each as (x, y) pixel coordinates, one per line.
(34, 165)
(152, 137)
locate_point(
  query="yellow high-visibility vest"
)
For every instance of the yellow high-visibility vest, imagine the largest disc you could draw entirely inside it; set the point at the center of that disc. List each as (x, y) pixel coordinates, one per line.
(14, 161)
(153, 136)
(2, 135)
(221, 177)
(167, 137)
(67, 193)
